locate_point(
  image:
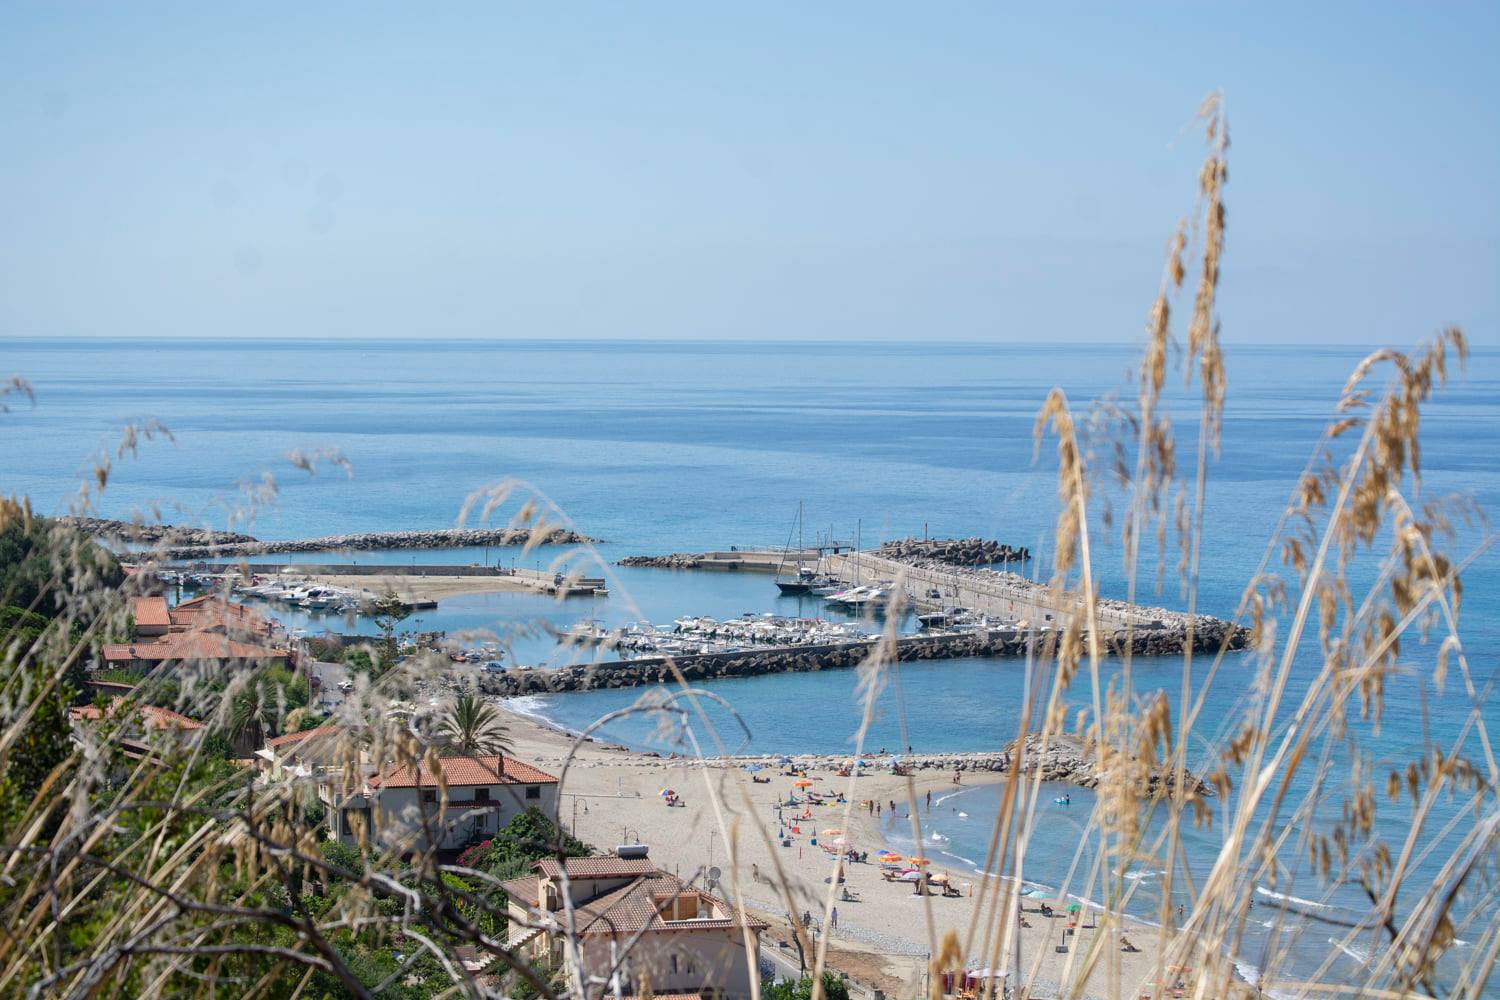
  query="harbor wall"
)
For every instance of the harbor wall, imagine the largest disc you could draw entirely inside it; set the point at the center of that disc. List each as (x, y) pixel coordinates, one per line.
(805, 659)
(1000, 595)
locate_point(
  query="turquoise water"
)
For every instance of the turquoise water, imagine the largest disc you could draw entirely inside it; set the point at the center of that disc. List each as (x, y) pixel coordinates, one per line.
(657, 447)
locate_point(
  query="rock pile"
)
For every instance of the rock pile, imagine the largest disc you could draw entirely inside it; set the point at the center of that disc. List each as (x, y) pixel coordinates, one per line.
(453, 538)
(953, 551)
(151, 534)
(1070, 759)
(805, 659)
(673, 560)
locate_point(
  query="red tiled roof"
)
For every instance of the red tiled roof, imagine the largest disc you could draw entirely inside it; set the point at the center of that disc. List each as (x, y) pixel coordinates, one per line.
(150, 611)
(666, 996)
(190, 646)
(633, 907)
(299, 737)
(156, 717)
(602, 866)
(152, 716)
(204, 612)
(494, 769)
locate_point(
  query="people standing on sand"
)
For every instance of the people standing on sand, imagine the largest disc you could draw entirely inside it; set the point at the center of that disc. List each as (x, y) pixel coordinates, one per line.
(871, 804)
(957, 776)
(877, 809)
(833, 919)
(929, 800)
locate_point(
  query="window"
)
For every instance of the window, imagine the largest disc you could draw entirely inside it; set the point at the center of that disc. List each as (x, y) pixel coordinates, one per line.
(429, 796)
(481, 795)
(533, 791)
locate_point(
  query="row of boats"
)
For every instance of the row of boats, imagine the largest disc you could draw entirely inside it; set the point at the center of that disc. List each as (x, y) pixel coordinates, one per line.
(873, 598)
(309, 597)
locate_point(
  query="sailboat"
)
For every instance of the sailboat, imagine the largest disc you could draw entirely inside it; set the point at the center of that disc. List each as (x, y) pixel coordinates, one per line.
(807, 579)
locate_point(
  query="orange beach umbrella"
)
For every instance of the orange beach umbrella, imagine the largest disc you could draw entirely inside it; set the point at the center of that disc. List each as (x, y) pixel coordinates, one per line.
(804, 783)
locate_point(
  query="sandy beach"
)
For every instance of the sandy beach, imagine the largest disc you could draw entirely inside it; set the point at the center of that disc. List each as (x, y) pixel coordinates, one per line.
(612, 795)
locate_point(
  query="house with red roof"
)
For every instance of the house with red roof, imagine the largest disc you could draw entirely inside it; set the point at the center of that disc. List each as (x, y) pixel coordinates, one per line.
(636, 924)
(206, 631)
(455, 802)
(142, 728)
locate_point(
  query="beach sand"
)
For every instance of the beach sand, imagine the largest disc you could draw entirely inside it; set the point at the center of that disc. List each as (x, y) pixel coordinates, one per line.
(612, 796)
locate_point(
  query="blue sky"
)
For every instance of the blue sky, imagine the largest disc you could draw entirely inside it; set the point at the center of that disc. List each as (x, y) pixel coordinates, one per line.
(832, 171)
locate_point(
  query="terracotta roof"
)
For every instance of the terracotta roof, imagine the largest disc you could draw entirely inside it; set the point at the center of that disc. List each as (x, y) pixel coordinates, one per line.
(522, 889)
(203, 612)
(602, 866)
(150, 611)
(152, 716)
(299, 737)
(633, 908)
(156, 717)
(666, 996)
(494, 769)
(190, 646)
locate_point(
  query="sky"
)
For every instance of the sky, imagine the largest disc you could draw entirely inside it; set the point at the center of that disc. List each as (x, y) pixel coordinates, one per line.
(764, 171)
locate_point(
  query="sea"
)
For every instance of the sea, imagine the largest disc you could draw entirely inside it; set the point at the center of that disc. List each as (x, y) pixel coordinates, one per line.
(655, 447)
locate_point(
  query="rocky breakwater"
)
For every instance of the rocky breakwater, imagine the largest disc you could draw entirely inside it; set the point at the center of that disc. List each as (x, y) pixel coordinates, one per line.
(1074, 761)
(672, 560)
(806, 659)
(953, 551)
(449, 538)
(132, 533)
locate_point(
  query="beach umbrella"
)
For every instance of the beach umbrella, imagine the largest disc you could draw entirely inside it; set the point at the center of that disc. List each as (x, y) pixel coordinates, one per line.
(665, 792)
(1072, 908)
(911, 875)
(919, 861)
(804, 783)
(861, 763)
(941, 878)
(752, 768)
(783, 760)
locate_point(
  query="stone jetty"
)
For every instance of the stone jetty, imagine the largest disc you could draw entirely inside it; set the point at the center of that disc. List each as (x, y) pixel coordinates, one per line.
(151, 534)
(953, 551)
(1208, 638)
(1069, 759)
(193, 543)
(672, 560)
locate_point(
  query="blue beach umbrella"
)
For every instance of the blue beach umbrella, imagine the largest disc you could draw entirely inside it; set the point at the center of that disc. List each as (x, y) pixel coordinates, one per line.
(752, 768)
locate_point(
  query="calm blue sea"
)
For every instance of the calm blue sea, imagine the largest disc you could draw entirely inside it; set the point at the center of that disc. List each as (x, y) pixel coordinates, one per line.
(659, 447)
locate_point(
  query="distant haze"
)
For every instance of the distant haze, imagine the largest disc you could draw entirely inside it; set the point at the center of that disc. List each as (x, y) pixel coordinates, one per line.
(822, 171)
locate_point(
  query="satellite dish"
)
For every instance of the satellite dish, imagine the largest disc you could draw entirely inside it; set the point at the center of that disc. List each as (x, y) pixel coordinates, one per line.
(713, 874)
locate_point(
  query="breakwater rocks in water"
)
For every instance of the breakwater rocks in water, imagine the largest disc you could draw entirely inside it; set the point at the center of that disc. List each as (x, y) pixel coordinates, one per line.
(953, 551)
(805, 659)
(1067, 758)
(673, 560)
(452, 538)
(152, 534)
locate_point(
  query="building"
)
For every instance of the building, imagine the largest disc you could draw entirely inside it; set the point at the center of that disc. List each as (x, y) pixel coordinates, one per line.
(206, 631)
(142, 728)
(405, 807)
(636, 927)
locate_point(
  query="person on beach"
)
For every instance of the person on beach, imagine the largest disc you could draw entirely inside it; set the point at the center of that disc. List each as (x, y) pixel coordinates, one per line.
(957, 776)
(833, 919)
(929, 800)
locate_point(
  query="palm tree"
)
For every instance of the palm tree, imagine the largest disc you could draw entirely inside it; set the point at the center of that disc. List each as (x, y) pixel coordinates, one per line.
(472, 728)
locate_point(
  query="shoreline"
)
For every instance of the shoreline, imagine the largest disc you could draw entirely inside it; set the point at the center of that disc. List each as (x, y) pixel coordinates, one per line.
(612, 796)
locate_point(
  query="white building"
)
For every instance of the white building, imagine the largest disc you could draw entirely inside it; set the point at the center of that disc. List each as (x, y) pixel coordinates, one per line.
(637, 927)
(408, 808)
